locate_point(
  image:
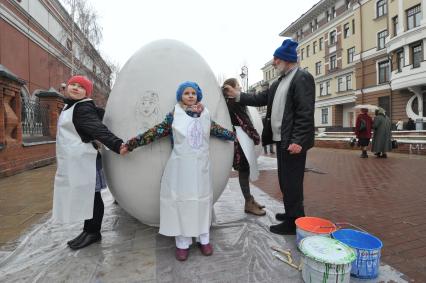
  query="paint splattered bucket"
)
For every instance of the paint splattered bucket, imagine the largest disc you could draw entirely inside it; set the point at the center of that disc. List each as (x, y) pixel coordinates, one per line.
(367, 248)
(311, 226)
(325, 260)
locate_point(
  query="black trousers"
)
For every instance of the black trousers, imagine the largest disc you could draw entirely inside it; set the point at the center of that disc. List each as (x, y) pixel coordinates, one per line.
(94, 225)
(291, 171)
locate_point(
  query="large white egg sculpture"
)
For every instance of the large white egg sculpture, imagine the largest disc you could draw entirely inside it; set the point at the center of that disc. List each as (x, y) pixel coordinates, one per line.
(145, 91)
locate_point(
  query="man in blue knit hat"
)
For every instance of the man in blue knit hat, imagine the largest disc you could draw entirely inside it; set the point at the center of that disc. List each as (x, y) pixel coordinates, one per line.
(290, 125)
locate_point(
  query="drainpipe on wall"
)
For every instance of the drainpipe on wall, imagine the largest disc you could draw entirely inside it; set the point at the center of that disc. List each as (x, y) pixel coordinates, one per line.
(390, 86)
(360, 54)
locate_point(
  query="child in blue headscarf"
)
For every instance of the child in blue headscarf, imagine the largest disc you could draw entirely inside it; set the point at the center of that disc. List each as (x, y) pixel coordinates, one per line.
(186, 197)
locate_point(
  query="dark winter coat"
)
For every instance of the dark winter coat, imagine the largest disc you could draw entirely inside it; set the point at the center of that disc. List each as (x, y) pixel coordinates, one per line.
(366, 134)
(87, 119)
(382, 134)
(298, 120)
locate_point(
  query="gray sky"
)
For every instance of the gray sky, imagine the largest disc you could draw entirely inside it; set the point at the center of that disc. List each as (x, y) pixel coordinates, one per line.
(227, 33)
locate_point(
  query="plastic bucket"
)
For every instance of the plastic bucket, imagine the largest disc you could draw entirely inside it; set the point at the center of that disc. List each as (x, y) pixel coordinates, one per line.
(312, 226)
(368, 251)
(325, 260)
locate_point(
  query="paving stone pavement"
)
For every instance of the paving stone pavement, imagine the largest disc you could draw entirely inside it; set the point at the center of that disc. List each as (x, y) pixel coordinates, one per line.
(386, 197)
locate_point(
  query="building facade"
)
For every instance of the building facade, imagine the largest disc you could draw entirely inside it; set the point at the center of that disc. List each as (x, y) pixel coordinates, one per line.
(36, 39)
(356, 57)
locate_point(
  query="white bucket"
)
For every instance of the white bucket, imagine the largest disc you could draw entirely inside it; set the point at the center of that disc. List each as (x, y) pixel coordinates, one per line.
(325, 260)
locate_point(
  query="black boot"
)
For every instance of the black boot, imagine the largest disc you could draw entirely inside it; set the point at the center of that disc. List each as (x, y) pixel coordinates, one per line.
(287, 227)
(384, 155)
(364, 154)
(280, 216)
(86, 240)
(76, 239)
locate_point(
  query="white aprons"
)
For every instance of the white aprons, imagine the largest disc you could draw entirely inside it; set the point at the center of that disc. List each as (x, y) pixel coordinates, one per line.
(248, 148)
(75, 178)
(186, 197)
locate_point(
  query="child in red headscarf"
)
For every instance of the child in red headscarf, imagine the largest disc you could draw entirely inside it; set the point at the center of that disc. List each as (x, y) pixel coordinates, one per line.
(79, 176)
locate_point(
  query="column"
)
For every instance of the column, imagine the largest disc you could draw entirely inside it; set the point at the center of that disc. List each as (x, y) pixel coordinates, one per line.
(54, 101)
(401, 19)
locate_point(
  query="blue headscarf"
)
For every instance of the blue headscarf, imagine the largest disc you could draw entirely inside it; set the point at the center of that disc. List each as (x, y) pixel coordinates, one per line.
(184, 85)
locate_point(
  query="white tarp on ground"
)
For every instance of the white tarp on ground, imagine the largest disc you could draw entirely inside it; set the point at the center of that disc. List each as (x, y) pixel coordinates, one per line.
(133, 252)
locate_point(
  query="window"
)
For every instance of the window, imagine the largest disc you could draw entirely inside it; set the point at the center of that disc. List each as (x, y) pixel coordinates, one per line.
(333, 12)
(348, 82)
(340, 84)
(332, 38)
(381, 36)
(346, 30)
(311, 25)
(395, 25)
(318, 68)
(333, 62)
(414, 16)
(307, 51)
(417, 55)
(316, 24)
(324, 116)
(327, 88)
(383, 72)
(381, 8)
(351, 54)
(328, 15)
(322, 89)
(320, 43)
(353, 26)
(302, 53)
(314, 47)
(348, 4)
(69, 44)
(400, 60)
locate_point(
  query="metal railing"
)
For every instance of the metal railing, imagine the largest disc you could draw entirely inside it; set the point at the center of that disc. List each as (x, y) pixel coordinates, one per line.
(34, 119)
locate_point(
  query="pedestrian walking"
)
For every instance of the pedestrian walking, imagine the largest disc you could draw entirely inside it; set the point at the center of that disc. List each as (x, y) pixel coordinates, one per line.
(363, 127)
(382, 138)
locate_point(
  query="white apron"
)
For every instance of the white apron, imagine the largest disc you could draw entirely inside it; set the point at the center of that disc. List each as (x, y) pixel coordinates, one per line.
(248, 147)
(75, 178)
(186, 197)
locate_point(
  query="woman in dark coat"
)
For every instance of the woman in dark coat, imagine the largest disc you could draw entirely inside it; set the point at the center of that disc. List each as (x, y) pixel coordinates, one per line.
(363, 127)
(382, 134)
(239, 117)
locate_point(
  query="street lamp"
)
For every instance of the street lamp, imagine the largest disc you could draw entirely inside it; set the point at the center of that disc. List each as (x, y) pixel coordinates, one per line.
(244, 75)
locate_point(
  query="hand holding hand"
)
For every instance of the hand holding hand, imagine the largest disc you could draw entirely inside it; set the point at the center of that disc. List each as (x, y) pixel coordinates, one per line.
(294, 148)
(124, 149)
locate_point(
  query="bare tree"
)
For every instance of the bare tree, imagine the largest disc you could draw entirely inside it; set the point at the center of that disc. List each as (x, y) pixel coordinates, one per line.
(115, 70)
(85, 37)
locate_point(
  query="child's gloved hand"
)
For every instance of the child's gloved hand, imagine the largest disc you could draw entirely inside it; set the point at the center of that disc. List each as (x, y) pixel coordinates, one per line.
(131, 144)
(124, 149)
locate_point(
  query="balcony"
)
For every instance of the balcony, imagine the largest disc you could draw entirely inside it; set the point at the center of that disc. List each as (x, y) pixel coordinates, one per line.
(406, 38)
(409, 77)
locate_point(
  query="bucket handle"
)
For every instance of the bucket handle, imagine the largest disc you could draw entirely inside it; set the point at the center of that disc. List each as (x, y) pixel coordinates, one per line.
(341, 225)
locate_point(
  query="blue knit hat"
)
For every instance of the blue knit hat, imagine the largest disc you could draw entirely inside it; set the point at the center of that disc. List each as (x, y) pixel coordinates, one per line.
(184, 85)
(287, 51)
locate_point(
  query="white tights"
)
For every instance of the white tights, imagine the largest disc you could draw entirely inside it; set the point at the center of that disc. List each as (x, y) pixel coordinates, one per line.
(183, 242)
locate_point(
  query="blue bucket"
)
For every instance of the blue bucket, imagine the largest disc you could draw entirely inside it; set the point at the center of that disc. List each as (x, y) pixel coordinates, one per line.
(367, 248)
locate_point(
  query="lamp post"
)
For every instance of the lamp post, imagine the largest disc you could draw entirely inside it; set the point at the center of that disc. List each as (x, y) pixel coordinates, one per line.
(244, 75)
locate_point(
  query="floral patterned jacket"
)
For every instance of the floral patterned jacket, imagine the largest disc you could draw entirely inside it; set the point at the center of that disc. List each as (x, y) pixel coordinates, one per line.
(165, 129)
